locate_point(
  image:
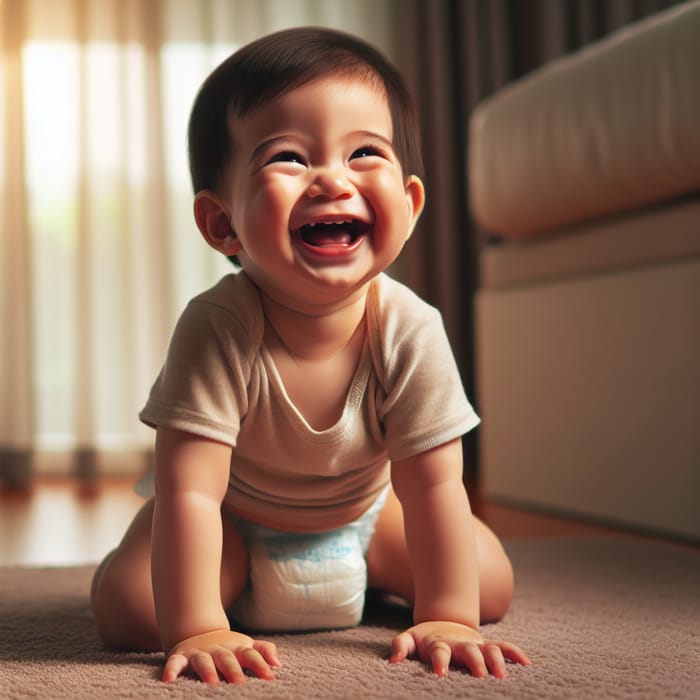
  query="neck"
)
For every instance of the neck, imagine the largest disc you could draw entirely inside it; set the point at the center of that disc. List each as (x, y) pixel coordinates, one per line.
(314, 336)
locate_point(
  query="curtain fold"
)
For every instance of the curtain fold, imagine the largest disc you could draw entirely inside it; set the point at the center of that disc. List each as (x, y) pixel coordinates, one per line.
(98, 247)
(16, 346)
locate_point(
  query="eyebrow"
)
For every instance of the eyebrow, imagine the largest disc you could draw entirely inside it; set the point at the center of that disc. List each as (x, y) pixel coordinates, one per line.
(264, 145)
(373, 135)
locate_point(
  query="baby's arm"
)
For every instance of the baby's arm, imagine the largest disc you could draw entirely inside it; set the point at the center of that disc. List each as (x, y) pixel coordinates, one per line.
(441, 541)
(191, 476)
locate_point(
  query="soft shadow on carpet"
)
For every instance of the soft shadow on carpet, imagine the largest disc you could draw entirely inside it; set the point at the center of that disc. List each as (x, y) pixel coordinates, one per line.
(600, 618)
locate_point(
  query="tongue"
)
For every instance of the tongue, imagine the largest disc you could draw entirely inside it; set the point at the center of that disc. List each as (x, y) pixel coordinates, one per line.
(320, 237)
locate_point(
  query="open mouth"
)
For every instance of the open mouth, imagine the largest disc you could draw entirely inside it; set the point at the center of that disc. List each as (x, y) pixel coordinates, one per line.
(328, 234)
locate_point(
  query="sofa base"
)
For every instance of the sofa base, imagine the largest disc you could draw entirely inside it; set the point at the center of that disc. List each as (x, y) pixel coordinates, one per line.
(589, 390)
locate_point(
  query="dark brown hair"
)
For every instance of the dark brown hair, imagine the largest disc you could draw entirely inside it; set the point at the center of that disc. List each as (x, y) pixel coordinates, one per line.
(275, 64)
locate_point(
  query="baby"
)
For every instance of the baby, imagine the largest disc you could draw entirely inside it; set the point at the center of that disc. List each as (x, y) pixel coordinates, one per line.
(309, 413)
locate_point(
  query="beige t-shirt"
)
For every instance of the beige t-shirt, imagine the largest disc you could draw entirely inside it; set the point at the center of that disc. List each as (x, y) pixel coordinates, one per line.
(220, 382)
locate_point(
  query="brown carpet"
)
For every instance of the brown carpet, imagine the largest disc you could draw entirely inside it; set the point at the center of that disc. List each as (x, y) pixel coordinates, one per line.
(601, 618)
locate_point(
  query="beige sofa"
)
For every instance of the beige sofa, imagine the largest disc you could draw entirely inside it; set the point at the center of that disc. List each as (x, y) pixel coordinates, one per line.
(585, 179)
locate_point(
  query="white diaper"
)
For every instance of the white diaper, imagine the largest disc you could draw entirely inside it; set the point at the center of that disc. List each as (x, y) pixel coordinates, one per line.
(305, 581)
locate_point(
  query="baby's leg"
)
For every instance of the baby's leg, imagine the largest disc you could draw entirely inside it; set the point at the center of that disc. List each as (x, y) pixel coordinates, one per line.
(389, 569)
(122, 594)
(122, 597)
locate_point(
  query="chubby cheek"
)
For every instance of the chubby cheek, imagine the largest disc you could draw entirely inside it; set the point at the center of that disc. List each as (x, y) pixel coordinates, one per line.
(391, 209)
(267, 212)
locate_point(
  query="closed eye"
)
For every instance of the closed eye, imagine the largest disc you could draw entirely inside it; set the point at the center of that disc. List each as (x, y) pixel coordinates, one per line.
(366, 151)
(286, 157)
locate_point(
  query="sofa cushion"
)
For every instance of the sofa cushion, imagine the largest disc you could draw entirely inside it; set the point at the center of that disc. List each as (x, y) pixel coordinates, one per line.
(648, 236)
(600, 131)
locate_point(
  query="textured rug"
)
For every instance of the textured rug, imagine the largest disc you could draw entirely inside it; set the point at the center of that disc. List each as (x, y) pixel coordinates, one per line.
(600, 618)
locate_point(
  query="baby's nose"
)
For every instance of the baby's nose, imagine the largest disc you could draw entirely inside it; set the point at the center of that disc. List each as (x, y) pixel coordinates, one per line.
(331, 183)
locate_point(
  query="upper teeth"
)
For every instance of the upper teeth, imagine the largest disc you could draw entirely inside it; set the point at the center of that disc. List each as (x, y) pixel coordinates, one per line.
(331, 223)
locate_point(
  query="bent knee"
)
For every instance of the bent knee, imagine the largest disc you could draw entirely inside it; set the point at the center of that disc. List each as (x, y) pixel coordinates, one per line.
(496, 589)
(122, 605)
(495, 574)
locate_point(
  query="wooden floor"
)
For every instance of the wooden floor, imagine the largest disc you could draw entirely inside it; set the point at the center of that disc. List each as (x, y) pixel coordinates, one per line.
(59, 524)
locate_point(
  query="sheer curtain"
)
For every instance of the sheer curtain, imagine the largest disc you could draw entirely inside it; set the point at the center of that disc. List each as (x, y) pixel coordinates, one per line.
(98, 250)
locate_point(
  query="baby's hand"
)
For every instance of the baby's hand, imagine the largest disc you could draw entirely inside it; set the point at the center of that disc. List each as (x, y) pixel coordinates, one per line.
(221, 652)
(439, 642)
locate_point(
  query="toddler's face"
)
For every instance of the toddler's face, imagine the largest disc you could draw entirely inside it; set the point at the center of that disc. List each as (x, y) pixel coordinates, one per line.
(316, 195)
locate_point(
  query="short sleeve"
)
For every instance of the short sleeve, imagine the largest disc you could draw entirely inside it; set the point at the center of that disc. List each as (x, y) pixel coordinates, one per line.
(202, 387)
(424, 403)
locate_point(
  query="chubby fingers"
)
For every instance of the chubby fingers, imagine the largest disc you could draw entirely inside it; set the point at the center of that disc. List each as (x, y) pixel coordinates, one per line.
(206, 665)
(513, 653)
(268, 651)
(491, 658)
(174, 666)
(494, 661)
(252, 660)
(203, 665)
(402, 646)
(479, 656)
(439, 654)
(230, 664)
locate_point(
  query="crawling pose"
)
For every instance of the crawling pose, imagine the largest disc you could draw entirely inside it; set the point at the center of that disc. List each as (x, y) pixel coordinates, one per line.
(309, 411)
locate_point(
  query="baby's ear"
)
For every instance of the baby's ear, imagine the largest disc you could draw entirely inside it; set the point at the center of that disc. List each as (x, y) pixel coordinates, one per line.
(214, 222)
(415, 199)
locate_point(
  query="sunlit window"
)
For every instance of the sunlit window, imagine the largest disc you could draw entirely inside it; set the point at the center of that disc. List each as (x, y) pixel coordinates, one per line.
(88, 155)
(52, 131)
